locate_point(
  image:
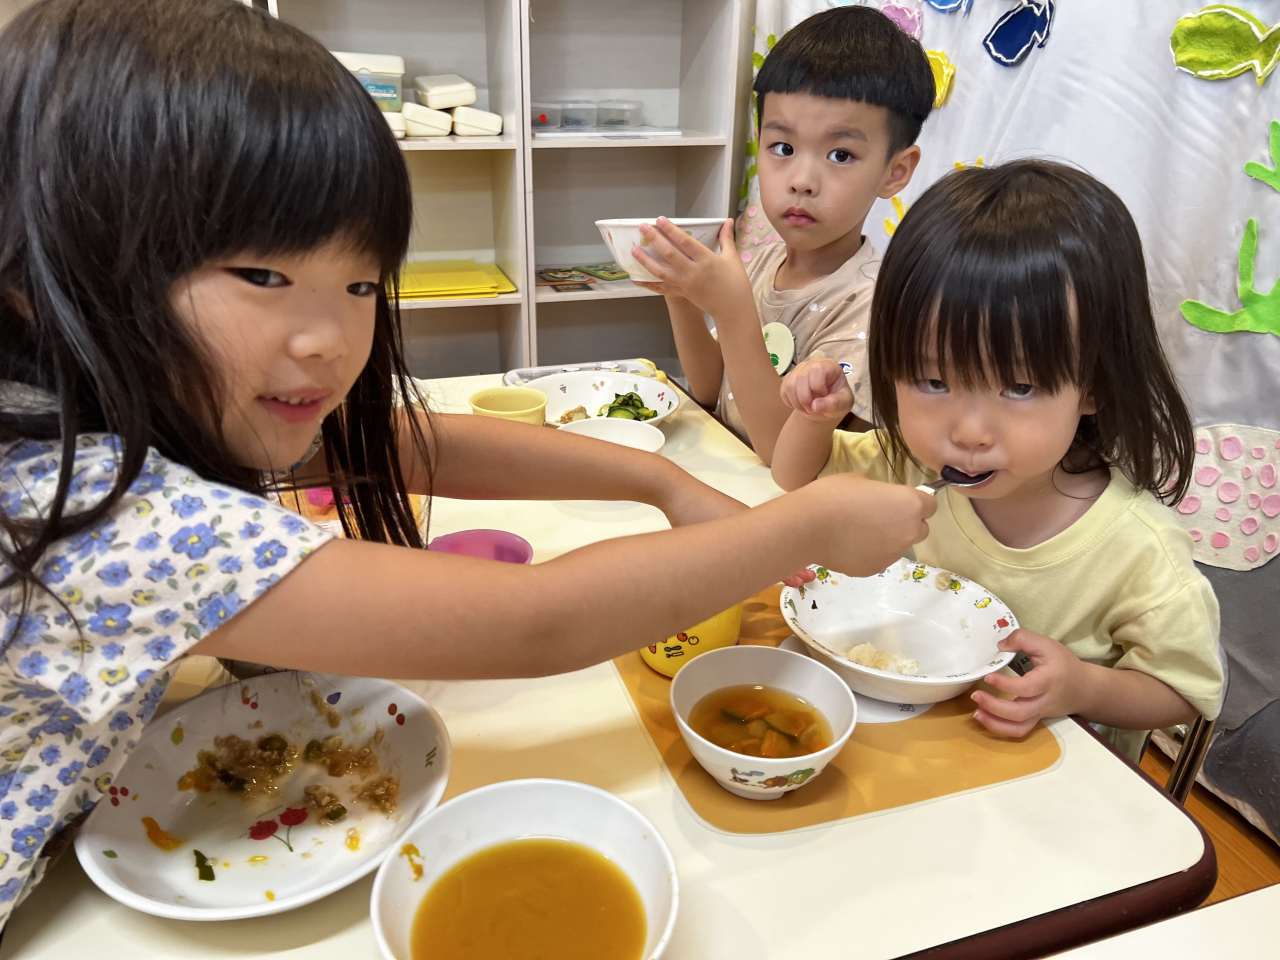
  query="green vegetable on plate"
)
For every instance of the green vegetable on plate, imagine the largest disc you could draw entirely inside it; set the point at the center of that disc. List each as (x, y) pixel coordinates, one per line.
(627, 406)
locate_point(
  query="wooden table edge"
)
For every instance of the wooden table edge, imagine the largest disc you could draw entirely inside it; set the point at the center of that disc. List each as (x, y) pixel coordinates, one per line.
(1096, 919)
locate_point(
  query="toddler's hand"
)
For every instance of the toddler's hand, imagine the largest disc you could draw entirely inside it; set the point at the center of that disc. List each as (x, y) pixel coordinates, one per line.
(800, 578)
(870, 524)
(707, 280)
(818, 389)
(1049, 690)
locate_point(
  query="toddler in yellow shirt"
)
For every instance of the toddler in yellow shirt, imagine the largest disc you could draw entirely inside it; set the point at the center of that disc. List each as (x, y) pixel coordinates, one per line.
(1012, 340)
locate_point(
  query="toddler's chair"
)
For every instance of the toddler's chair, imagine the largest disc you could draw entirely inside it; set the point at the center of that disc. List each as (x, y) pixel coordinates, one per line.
(1195, 744)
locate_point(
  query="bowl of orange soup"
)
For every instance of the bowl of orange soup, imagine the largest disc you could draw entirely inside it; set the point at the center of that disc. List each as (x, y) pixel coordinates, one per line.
(761, 721)
(515, 868)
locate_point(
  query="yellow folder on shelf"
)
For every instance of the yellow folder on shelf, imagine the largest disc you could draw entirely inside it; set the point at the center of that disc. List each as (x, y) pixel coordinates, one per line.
(452, 279)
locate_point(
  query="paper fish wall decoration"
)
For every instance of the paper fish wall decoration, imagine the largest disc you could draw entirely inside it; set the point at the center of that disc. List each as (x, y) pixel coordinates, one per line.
(944, 72)
(1220, 42)
(1025, 26)
(909, 20)
(950, 6)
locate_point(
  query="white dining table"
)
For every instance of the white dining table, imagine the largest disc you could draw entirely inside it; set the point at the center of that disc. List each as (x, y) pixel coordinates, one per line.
(1244, 926)
(869, 888)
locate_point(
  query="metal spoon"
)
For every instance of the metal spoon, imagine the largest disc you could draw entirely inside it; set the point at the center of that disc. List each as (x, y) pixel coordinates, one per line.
(951, 477)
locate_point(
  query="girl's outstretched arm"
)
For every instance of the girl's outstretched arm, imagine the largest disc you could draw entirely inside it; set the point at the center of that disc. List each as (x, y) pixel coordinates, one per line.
(375, 610)
(483, 458)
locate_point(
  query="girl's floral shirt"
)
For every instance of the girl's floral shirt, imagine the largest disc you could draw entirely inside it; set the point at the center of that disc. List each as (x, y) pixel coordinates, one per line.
(177, 558)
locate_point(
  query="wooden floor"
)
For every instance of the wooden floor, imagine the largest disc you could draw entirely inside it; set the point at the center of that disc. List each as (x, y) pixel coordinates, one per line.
(1247, 859)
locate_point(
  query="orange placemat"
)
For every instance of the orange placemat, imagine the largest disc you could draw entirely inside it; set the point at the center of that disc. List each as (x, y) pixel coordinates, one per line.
(883, 765)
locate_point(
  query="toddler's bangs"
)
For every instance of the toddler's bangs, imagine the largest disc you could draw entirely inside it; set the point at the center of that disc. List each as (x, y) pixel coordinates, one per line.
(984, 311)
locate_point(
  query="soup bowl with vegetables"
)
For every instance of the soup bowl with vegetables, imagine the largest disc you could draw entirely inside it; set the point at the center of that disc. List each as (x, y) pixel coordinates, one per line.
(526, 869)
(586, 394)
(761, 721)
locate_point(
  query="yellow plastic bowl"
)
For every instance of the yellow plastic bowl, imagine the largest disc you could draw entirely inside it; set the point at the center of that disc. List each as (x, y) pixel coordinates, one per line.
(511, 403)
(720, 631)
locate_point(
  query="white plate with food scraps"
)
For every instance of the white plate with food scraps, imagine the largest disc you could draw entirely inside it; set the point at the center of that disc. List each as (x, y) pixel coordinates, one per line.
(159, 844)
(590, 393)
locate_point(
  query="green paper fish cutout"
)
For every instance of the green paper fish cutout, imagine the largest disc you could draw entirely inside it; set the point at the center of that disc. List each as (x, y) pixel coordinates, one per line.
(1220, 42)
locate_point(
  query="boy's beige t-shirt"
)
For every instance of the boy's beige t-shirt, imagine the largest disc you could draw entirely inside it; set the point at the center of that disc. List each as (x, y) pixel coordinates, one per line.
(1117, 588)
(828, 318)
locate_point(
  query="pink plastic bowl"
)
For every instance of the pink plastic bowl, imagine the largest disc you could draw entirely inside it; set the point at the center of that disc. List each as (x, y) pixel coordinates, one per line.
(485, 544)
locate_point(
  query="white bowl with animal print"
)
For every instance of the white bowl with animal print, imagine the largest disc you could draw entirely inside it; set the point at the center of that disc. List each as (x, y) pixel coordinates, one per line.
(593, 390)
(220, 855)
(912, 611)
(762, 778)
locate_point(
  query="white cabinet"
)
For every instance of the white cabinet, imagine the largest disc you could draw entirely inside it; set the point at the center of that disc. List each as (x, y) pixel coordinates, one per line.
(523, 201)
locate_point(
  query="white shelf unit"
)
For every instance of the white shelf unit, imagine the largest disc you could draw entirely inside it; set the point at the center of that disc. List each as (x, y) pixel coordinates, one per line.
(682, 58)
(522, 202)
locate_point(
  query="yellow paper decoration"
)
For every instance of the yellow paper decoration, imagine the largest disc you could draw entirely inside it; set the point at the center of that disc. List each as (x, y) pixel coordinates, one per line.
(899, 209)
(944, 71)
(960, 164)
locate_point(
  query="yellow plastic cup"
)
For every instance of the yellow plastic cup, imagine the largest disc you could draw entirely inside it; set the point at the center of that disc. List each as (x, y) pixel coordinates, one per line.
(720, 631)
(511, 403)
(654, 371)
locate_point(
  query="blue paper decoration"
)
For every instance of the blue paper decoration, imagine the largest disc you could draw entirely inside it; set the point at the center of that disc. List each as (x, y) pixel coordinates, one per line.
(1025, 26)
(950, 6)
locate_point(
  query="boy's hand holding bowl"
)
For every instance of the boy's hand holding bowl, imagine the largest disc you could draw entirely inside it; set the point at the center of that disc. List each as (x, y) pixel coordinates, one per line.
(713, 281)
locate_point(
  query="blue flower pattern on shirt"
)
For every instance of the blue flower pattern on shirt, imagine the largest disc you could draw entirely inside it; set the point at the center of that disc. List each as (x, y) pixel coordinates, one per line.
(177, 557)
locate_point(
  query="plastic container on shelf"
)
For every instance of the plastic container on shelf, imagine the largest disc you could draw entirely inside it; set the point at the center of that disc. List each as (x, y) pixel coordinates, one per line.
(396, 122)
(469, 122)
(444, 90)
(543, 115)
(422, 121)
(578, 113)
(619, 113)
(381, 74)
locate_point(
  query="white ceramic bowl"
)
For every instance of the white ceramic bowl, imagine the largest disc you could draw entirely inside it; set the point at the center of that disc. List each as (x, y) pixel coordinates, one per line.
(519, 809)
(594, 389)
(114, 850)
(628, 433)
(949, 624)
(622, 235)
(757, 778)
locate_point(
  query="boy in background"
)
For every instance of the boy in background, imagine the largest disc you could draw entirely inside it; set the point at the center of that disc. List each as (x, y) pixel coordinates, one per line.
(840, 101)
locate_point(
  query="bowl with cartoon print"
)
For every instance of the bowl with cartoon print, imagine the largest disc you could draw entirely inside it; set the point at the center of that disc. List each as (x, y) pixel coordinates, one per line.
(762, 778)
(912, 611)
(214, 854)
(595, 390)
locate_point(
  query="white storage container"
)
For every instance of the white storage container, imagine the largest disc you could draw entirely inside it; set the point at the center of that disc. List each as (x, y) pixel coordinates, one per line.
(619, 113)
(396, 122)
(422, 121)
(578, 113)
(443, 91)
(469, 122)
(544, 115)
(380, 73)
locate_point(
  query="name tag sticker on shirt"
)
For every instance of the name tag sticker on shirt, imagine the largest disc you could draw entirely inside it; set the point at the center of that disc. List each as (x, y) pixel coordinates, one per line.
(781, 345)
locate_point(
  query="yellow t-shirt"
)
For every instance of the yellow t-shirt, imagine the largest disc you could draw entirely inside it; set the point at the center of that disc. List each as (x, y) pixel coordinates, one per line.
(1117, 588)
